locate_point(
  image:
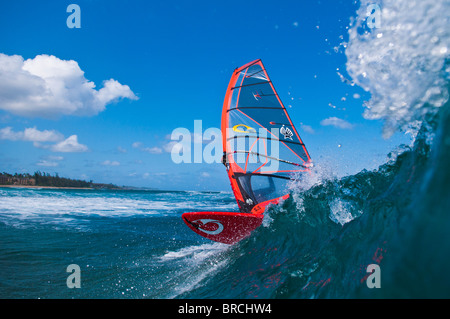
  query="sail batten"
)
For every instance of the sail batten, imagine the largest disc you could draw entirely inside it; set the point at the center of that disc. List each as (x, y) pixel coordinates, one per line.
(242, 86)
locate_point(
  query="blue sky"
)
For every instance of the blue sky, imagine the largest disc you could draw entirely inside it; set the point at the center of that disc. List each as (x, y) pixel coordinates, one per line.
(160, 65)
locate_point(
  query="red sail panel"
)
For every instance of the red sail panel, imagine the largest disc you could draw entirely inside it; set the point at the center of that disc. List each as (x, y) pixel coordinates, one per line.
(262, 147)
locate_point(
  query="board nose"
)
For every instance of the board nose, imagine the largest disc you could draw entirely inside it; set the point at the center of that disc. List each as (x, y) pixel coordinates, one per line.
(223, 227)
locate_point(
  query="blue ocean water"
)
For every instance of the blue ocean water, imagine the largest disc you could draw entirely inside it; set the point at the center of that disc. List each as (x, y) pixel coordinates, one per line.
(130, 244)
(317, 244)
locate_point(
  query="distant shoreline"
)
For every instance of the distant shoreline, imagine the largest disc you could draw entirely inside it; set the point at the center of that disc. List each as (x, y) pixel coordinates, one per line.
(123, 188)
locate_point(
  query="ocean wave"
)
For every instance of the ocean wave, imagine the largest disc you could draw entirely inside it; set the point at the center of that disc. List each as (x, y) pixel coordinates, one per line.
(320, 241)
(64, 206)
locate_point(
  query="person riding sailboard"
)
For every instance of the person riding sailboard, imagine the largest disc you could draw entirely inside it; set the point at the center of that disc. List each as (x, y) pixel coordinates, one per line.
(262, 153)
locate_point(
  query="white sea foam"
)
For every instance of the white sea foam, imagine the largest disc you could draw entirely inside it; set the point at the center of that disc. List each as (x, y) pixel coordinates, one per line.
(61, 206)
(89, 205)
(342, 212)
(196, 263)
(194, 253)
(404, 62)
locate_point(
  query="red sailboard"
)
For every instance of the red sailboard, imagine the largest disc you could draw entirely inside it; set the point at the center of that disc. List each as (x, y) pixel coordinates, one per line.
(262, 152)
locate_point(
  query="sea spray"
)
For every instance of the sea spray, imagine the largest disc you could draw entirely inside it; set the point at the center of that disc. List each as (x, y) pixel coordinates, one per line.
(403, 63)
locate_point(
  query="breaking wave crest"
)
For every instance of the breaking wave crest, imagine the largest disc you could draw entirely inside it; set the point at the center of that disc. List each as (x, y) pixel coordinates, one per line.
(403, 62)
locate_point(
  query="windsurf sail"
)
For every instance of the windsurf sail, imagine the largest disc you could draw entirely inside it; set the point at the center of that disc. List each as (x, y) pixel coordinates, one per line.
(262, 148)
(262, 152)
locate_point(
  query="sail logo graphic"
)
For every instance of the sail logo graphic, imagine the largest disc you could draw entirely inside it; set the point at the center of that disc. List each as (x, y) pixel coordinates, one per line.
(242, 128)
(287, 133)
(209, 226)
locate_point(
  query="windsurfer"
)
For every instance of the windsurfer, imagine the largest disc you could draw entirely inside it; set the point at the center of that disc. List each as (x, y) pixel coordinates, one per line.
(224, 159)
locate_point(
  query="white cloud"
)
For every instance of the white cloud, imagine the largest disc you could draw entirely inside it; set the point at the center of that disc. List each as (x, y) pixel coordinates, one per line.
(41, 139)
(160, 174)
(55, 158)
(336, 122)
(49, 87)
(136, 144)
(120, 149)
(47, 163)
(307, 129)
(112, 90)
(8, 134)
(30, 134)
(110, 163)
(152, 150)
(69, 145)
(50, 161)
(176, 147)
(34, 135)
(153, 175)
